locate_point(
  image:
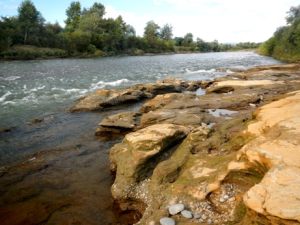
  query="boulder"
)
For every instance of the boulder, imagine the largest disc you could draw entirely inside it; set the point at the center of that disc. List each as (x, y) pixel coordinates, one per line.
(134, 157)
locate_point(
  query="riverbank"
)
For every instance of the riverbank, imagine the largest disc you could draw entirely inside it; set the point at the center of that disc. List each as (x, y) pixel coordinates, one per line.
(28, 52)
(229, 156)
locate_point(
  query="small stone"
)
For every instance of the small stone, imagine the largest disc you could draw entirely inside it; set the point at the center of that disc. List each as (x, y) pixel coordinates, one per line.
(252, 105)
(226, 197)
(221, 200)
(232, 199)
(177, 208)
(204, 217)
(209, 221)
(167, 221)
(197, 216)
(187, 214)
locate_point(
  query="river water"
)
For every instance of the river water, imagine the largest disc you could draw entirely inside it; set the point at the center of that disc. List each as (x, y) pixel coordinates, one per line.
(60, 167)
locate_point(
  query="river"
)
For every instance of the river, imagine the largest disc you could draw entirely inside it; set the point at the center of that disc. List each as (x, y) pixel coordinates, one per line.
(56, 168)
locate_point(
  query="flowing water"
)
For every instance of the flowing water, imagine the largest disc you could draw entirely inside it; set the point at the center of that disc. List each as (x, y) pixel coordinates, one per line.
(58, 171)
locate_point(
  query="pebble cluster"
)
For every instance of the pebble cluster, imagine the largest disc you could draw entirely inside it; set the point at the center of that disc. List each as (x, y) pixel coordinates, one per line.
(204, 212)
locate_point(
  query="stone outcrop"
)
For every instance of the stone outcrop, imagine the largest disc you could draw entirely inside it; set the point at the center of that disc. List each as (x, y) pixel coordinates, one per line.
(133, 158)
(278, 146)
(101, 99)
(238, 166)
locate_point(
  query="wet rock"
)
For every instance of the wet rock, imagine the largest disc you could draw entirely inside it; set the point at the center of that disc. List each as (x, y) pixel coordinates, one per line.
(106, 98)
(37, 120)
(118, 123)
(176, 208)
(187, 214)
(167, 221)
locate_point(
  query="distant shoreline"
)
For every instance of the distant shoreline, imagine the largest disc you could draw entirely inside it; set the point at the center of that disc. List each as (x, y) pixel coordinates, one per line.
(35, 53)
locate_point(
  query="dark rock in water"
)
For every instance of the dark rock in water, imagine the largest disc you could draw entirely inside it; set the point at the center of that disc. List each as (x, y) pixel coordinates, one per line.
(6, 130)
(36, 120)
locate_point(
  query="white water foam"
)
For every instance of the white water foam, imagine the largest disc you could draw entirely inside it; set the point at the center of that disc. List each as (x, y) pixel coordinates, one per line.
(3, 97)
(11, 78)
(200, 71)
(102, 84)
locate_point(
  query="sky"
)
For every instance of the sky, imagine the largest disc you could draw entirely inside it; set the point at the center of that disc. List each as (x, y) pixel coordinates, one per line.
(228, 21)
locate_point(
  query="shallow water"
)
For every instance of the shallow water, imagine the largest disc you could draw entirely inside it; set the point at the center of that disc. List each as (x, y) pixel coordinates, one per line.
(30, 89)
(55, 171)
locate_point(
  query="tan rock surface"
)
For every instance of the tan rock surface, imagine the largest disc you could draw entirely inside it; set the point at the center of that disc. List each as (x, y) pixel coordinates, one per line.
(130, 157)
(277, 145)
(106, 98)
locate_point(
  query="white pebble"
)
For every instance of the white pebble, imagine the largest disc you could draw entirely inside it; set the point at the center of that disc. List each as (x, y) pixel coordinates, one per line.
(177, 208)
(222, 200)
(187, 214)
(197, 216)
(167, 221)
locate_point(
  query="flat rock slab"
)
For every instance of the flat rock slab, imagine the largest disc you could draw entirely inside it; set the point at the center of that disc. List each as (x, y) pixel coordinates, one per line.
(121, 120)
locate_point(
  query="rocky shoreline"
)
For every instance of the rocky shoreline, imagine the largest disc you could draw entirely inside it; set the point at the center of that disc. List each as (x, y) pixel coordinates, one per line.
(230, 156)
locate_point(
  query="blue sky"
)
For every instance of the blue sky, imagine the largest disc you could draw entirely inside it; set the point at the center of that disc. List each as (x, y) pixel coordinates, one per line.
(226, 21)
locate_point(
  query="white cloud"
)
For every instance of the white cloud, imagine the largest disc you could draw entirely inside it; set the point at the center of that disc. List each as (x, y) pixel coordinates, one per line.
(227, 21)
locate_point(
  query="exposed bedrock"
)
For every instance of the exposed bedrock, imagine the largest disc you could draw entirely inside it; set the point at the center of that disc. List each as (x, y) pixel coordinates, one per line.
(101, 99)
(230, 156)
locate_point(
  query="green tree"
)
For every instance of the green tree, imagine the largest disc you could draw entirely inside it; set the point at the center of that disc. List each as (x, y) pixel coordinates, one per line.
(151, 32)
(188, 39)
(73, 16)
(166, 32)
(29, 20)
(293, 14)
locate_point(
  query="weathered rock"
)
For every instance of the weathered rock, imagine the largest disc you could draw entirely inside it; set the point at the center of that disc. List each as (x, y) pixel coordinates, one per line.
(197, 171)
(132, 158)
(167, 221)
(118, 123)
(276, 147)
(176, 208)
(231, 85)
(106, 98)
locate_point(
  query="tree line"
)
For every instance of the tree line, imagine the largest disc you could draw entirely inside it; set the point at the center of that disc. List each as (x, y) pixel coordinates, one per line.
(285, 43)
(88, 33)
